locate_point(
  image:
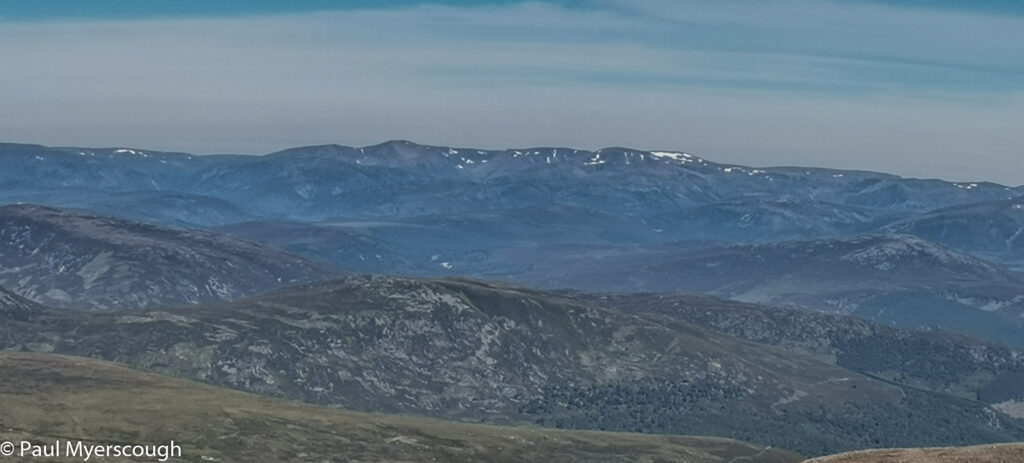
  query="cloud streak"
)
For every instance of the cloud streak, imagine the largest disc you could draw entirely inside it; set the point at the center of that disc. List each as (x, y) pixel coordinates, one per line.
(916, 91)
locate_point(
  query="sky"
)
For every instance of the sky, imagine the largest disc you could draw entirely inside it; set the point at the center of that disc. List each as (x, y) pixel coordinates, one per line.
(921, 88)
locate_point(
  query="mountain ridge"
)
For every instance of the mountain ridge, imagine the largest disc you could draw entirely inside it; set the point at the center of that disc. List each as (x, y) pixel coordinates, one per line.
(392, 144)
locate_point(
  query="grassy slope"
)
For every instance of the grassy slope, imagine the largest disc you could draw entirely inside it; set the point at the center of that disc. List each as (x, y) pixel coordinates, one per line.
(45, 397)
(1002, 453)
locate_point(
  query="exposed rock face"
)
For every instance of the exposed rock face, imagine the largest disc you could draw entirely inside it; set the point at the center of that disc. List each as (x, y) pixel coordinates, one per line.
(71, 260)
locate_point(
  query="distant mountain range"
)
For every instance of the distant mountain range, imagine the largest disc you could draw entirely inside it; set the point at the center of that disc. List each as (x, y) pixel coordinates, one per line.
(667, 195)
(909, 252)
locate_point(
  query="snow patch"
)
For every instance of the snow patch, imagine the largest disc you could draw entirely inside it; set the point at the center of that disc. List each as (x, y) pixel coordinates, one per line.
(131, 151)
(681, 158)
(595, 161)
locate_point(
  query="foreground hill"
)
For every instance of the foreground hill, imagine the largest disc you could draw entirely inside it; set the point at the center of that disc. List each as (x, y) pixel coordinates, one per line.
(470, 350)
(73, 260)
(1006, 453)
(49, 397)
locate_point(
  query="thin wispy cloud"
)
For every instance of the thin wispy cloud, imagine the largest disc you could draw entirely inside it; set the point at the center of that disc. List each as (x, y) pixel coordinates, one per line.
(919, 91)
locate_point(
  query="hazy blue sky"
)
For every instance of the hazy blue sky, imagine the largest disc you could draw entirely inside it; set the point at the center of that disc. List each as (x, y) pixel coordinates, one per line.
(920, 88)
